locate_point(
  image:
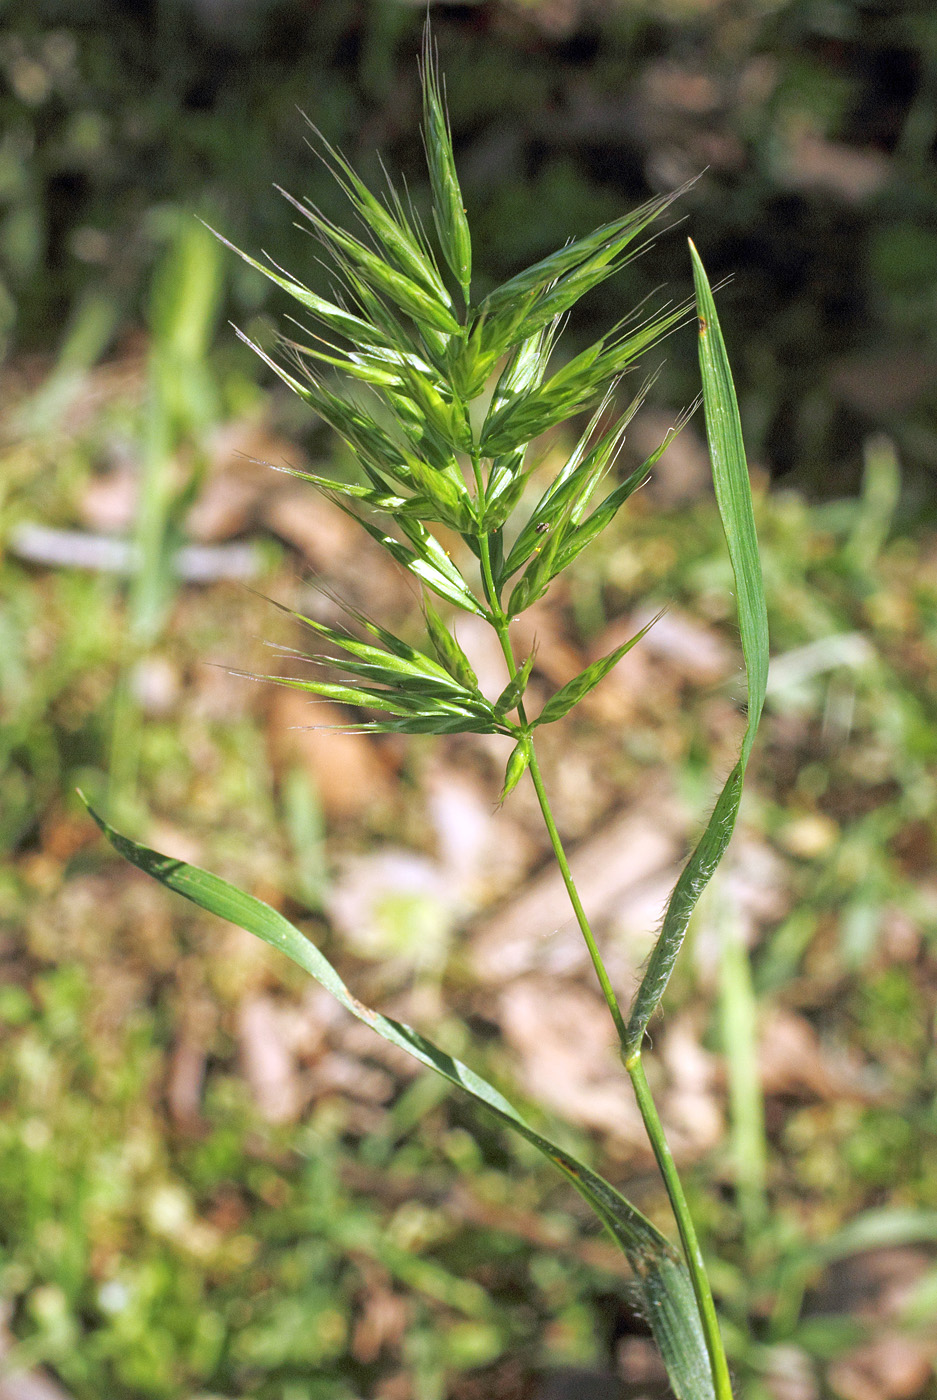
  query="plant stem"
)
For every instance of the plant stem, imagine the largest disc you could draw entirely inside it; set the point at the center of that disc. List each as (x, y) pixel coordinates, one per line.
(688, 1238)
(601, 971)
(653, 1126)
(631, 1059)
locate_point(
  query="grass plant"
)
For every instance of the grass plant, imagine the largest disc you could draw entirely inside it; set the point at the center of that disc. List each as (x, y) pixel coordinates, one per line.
(449, 394)
(181, 405)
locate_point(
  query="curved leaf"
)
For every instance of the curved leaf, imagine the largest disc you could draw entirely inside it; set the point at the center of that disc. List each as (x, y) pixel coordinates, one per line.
(660, 1275)
(734, 498)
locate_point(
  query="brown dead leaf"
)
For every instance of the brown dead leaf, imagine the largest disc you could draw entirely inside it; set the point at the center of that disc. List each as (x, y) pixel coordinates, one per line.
(241, 479)
(63, 834)
(265, 1041)
(672, 85)
(336, 1073)
(109, 502)
(793, 1060)
(890, 1367)
(293, 1052)
(188, 1060)
(877, 1285)
(156, 684)
(350, 773)
(638, 1362)
(536, 929)
(332, 544)
(833, 167)
(557, 18)
(566, 1047)
(35, 1384)
(322, 533)
(399, 1386)
(901, 936)
(384, 1318)
(360, 1041)
(690, 1108)
(278, 1041)
(31, 1385)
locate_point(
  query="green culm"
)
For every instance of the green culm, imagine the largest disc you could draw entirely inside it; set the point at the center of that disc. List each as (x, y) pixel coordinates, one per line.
(408, 332)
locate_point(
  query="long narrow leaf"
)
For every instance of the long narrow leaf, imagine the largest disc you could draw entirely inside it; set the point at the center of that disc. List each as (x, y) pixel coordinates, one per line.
(734, 498)
(661, 1277)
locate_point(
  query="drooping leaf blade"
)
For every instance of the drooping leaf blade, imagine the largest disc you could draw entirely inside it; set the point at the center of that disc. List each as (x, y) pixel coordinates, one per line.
(734, 499)
(660, 1275)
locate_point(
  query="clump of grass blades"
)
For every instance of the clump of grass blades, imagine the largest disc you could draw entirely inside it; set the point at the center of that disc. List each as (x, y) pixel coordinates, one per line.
(407, 332)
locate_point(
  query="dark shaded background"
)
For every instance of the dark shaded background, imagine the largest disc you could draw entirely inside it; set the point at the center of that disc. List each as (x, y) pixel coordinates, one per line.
(814, 122)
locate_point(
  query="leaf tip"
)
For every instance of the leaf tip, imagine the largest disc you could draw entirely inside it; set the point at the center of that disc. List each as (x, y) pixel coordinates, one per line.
(95, 817)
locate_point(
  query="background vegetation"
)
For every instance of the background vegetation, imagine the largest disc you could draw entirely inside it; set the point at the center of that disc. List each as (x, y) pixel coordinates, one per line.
(210, 1186)
(814, 121)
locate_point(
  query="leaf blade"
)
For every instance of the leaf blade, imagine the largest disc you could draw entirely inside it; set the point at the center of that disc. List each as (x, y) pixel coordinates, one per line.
(734, 499)
(661, 1276)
